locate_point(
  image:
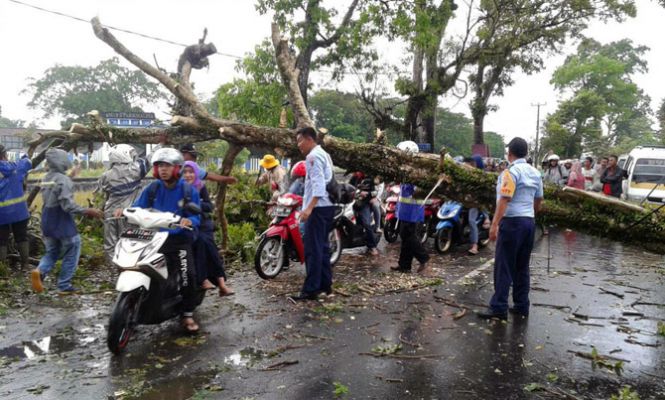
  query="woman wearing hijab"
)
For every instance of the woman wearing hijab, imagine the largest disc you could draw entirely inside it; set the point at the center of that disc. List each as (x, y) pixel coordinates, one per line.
(209, 265)
(576, 176)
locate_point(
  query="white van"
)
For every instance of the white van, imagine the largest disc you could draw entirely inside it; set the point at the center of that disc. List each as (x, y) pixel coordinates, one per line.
(645, 168)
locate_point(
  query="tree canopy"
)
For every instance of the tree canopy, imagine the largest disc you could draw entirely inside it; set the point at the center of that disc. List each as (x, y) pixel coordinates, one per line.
(72, 91)
(604, 107)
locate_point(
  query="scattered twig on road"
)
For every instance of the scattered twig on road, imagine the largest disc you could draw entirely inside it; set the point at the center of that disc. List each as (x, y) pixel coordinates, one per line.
(606, 291)
(556, 307)
(637, 342)
(317, 337)
(402, 356)
(583, 323)
(591, 357)
(460, 314)
(280, 365)
(390, 380)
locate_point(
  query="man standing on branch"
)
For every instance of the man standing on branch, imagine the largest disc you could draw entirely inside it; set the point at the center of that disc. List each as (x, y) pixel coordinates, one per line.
(519, 196)
(318, 212)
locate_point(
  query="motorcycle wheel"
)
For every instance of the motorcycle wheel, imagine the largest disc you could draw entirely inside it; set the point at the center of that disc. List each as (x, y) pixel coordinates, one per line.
(336, 247)
(121, 322)
(422, 231)
(390, 231)
(443, 240)
(270, 257)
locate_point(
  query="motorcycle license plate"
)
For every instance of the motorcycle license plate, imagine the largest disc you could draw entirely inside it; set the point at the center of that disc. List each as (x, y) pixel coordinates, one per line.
(140, 234)
(281, 212)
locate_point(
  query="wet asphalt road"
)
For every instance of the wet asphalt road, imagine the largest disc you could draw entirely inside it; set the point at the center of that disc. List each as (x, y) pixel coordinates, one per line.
(377, 338)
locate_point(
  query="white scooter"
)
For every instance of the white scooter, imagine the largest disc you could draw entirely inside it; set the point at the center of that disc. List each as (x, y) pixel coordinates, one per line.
(148, 293)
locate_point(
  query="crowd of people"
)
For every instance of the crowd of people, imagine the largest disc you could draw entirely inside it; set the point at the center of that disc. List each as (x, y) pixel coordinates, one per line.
(180, 180)
(604, 176)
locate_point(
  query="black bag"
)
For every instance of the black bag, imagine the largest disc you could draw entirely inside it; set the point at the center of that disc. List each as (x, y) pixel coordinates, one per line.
(334, 190)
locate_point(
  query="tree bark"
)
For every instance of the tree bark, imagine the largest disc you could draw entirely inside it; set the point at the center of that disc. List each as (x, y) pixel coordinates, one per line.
(469, 186)
(227, 167)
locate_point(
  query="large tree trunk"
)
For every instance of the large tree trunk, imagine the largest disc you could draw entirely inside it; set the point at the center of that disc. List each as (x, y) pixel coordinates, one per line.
(573, 209)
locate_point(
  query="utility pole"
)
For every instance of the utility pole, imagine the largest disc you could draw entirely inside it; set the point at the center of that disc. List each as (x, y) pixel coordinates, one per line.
(537, 160)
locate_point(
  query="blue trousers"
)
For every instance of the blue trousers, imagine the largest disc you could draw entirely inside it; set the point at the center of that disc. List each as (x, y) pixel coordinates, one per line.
(365, 219)
(70, 250)
(511, 264)
(317, 250)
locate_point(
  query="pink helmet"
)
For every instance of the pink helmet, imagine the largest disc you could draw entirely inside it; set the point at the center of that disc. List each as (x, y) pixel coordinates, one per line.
(299, 170)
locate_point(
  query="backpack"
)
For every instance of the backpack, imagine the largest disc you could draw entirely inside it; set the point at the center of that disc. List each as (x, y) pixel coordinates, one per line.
(154, 185)
(333, 187)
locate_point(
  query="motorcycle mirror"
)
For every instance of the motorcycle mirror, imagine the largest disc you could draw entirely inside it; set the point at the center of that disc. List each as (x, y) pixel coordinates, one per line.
(193, 208)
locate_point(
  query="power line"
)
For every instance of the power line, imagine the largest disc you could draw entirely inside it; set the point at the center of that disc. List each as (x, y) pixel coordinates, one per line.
(143, 35)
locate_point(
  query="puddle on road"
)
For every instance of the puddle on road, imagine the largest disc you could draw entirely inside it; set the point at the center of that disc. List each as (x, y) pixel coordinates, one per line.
(55, 344)
(246, 357)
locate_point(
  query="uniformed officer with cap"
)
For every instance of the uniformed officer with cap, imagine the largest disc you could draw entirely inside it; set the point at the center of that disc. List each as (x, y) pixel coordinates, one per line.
(519, 196)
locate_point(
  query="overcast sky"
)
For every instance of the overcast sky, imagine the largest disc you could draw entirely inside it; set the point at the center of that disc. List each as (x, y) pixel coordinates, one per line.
(32, 41)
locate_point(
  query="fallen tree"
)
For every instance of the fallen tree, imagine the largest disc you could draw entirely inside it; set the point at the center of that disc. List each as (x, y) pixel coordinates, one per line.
(566, 208)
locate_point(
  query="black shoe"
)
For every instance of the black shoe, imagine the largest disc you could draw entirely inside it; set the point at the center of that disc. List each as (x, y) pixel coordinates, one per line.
(400, 269)
(514, 311)
(304, 296)
(490, 314)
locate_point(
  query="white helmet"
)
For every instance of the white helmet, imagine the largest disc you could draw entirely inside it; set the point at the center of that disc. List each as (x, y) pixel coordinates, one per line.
(553, 157)
(167, 155)
(122, 154)
(408, 146)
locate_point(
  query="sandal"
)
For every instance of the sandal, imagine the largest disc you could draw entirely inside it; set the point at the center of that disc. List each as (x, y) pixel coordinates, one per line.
(223, 292)
(207, 285)
(473, 252)
(190, 325)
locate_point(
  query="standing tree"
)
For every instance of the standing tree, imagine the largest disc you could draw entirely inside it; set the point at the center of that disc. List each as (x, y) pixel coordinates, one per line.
(660, 115)
(321, 28)
(606, 107)
(517, 34)
(72, 91)
(258, 97)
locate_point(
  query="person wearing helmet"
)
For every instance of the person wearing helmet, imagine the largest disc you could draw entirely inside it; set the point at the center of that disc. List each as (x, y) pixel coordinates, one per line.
(171, 193)
(120, 185)
(554, 173)
(14, 214)
(298, 174)
(410, 212)
(275, 176)
(61, 237)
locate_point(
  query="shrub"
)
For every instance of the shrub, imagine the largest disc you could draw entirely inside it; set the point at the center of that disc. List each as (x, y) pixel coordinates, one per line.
(242, 242)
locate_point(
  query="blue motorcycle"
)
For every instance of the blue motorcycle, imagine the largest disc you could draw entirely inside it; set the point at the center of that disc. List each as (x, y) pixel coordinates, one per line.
(453, 228)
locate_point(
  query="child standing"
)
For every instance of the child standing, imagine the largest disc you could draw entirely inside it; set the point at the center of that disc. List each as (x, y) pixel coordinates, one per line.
(58, 225)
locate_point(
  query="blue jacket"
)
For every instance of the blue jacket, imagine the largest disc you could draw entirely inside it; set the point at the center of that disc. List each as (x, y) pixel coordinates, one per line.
(170, 200)
(58, 195)
(408, 208)
(13, 207)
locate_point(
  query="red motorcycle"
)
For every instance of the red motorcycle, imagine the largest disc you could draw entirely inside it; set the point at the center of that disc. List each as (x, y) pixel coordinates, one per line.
(282, 241)
(391, 223)
(427, 228)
